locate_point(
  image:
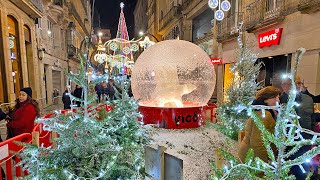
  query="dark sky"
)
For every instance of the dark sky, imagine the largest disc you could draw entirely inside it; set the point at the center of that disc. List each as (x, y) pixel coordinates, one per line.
(109, 11)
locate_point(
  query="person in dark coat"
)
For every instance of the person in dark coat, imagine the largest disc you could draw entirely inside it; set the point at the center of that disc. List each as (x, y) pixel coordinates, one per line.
(304, 90)
(2, 115)
(66, 99)
(98, 89)
(24, 114)
(78, 94)
(110, 89)
(304, 111)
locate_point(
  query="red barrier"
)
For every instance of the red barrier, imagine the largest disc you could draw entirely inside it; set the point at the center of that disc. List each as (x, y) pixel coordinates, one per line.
(212, 107)
(44, 136)
(7, 148)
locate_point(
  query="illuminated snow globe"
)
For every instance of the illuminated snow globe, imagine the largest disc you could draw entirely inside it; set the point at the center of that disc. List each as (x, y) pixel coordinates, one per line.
(172, 81)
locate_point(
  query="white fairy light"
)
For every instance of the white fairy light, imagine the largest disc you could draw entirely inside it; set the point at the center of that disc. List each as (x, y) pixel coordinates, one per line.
(302, 169)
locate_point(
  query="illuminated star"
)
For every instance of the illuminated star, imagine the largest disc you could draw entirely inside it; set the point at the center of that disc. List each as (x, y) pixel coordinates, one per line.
(121, 5)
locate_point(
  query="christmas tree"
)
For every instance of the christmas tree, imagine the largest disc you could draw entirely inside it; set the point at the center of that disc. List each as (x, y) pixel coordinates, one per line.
(121, 58)
(288, 133)
(92, 142)
(240, 93)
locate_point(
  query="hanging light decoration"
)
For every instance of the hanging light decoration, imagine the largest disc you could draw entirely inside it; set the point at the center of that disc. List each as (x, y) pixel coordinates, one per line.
(224, 6)
(101, 55)
(146, 43)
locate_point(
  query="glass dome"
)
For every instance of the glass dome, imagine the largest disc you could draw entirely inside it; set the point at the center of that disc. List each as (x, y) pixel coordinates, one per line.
(173, 73)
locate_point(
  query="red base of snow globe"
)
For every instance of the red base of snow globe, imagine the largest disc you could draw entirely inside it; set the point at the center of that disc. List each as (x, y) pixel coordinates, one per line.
(174, 118)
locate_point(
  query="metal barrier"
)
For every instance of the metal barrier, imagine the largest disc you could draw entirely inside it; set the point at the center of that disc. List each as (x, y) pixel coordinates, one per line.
(7, 150)
(212, 107)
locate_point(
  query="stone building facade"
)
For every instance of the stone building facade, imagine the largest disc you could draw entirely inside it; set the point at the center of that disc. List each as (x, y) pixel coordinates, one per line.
(39, 40)
(140, 20)
(60, 31)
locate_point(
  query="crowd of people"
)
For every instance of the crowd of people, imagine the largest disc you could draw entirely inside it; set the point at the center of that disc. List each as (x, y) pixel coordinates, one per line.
(309, 119)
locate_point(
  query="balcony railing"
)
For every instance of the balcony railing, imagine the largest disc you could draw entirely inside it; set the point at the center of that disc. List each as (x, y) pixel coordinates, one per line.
(309, 5)
(173, 13)
(34, 8)
(264, 12)
(227, 28)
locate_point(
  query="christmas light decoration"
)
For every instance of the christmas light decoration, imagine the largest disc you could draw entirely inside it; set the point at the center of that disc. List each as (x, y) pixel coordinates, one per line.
(223, 6)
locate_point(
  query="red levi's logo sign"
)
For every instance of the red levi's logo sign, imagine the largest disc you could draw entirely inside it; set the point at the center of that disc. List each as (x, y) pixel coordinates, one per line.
(270, 38)
(216, 60)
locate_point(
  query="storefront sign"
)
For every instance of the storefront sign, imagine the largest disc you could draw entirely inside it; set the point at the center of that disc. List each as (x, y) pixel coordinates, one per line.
(216, 60)
(270, 38)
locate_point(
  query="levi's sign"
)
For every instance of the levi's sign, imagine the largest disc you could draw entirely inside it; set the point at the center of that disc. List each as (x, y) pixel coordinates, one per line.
(270, 38)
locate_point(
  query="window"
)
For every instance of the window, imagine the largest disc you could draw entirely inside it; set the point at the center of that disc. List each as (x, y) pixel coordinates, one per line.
(15, 54)
(29, 55)
(58, 2)
(50, 33)
(201, 25)
(62, 39)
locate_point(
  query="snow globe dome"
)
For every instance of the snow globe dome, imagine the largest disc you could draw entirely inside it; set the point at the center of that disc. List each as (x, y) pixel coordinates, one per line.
(171, 74)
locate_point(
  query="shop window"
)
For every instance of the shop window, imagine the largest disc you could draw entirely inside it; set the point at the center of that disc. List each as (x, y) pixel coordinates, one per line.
(29, 55)
(273, 68)
(15, 59)
(227, 79)
(15, 54)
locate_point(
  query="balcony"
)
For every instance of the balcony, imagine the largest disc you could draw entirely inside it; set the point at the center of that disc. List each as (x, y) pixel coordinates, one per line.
(80, 20)
(34, 8)
(263, 13)
(168, 19)
(309, 6)
(228, 27)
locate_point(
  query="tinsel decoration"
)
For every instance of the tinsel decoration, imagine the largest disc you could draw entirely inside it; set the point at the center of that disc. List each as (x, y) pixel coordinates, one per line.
(92, 142)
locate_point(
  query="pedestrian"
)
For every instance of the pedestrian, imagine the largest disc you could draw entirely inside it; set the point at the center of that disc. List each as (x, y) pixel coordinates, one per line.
(267, 96)
(98, 89)
(66, 99)
(304, 111)
(111, 89)
(24, 114)
(304, 90)
(78, 94)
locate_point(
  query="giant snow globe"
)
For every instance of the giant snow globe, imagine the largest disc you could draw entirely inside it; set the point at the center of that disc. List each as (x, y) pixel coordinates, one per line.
(172, 81)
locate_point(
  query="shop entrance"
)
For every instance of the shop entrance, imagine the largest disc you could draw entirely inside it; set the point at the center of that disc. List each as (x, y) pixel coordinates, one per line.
(273, 68)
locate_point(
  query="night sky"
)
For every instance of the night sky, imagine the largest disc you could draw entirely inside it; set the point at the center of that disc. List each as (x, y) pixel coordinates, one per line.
(109, 11)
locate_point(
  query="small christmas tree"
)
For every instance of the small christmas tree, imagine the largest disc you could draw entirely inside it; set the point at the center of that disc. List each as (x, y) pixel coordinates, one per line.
(287, 134)
(92, 143)
(240, 93)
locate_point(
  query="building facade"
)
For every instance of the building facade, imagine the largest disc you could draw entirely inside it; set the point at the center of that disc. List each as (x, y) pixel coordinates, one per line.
(19, 63)
(39, 41)
(60, 32)
(140, 20)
